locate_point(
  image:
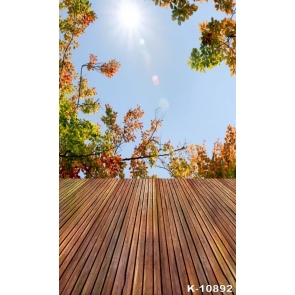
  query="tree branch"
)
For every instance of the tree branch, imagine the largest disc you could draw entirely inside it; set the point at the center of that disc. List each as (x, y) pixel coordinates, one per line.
(125, 159)
(88, 104)
(162, 167)
(80, 84)
(96, 67)
(85, 167)
(150, 156)
(65, 154)
(234, 12)
(78, 156)
(82, 156)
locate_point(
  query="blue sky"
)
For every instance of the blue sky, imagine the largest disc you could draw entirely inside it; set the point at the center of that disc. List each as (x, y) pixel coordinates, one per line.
(154, 73)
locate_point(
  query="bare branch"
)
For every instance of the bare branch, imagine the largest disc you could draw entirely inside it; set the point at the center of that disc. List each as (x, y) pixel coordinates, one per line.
(81, 156)
(234, 12)
(64, 155)
(78, 156)
(94, 67)
(88, 104)
(85, 167)
(80, 84)
(151, 156)
(162, 167)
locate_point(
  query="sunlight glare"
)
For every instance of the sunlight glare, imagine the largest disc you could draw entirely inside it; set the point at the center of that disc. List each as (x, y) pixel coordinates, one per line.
(129, 16)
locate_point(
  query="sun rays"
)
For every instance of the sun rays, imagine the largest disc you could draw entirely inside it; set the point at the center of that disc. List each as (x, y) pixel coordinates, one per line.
(129, 23)
(129, 16)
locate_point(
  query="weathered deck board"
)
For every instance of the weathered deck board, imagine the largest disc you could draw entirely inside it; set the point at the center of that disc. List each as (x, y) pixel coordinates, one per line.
(200, 221)
(78, 250)
(151, 236)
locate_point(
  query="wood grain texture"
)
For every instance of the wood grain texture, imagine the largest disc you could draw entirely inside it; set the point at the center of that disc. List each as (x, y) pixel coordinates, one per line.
(147, 236)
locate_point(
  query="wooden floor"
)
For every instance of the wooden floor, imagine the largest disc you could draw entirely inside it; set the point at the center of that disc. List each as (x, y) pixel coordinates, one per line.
(150, 236)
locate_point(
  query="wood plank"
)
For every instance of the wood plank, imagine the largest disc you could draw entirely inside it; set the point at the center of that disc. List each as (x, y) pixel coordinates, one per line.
(225, 205)
(216, 221)
(68, 186)
(83, 202)
(146, 236)
(198, 276)
(62, 184)
(166, 284)
(74, 201)
(121, 274)
(148, 278)
(229, 183)
(113, 248)
(84, 225)
(184, 264)
(200, 247)
(75, 217)
(222, 270)
(95, 260)
(225, 189)
(69, 190)
(129, 279)
(84, 249)
(139, 263)
(172, 252)
(222, 194)
(212, 207)
(156, 243)
(224, 247)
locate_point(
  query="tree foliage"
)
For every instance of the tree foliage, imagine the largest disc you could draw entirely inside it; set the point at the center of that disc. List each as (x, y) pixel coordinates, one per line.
(194, 161)
(218, 37)
(85, 149)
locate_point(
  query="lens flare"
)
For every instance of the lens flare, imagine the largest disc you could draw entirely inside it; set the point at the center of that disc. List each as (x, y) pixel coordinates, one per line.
(164, 104)
(156, 80)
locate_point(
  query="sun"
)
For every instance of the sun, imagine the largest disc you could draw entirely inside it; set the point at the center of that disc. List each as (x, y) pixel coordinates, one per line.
(129, 16)
(129, 22)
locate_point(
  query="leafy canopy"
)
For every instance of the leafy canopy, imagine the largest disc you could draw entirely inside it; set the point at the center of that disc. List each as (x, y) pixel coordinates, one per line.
(85, 149)
(194, 162)
(218, 37)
